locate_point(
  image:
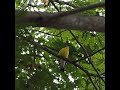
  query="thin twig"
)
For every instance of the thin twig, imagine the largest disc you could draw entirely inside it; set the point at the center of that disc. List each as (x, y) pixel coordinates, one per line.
(51, 48)
(31, 5)
(90, 55)
(49, 33)
(66, 3)
(77, 10)
(60, 2)
(94, 75)
(92, 82)
(23, 7)
(32, 55)
(54, 5)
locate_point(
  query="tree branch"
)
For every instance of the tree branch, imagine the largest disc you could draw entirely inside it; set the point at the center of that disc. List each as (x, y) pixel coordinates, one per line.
(54, 54)
(67, 3)
(35, 5)
(86, 53)
(101, 75)
(77, 10)
(46, 49)
(54, 5)
(71, 22)
(91, 54)
(48, 33)
(65, 59)
(94, 75)
(92, 82)
(91, 74)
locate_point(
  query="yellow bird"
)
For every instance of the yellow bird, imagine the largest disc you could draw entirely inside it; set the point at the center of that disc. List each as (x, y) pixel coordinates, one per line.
(64, 52)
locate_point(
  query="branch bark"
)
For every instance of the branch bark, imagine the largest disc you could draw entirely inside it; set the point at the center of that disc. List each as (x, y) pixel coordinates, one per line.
(70, 22)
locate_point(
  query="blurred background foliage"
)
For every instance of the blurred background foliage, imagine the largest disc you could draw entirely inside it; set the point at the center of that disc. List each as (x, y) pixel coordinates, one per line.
(36, 69)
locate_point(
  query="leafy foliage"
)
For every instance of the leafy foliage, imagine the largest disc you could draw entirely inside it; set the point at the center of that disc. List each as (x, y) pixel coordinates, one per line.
(36, 69)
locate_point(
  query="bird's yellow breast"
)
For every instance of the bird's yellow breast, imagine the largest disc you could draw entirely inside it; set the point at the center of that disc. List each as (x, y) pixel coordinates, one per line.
(64, 52)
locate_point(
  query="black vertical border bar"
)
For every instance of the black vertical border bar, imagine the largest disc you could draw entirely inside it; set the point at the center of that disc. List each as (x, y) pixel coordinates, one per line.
(11, 47)
(7, 44)
(109, 61)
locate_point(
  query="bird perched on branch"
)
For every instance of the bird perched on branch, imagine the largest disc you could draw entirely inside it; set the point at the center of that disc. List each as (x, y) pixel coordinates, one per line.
(64, 52)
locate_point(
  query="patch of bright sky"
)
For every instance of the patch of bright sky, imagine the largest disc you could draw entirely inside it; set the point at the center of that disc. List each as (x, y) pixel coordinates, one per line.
(87, 60)
(75, 89)
(54, 74)
(60, 78)
(16, 67)
(41, 43)
(33, 73)
(17, 77)
(57, 62)
(40, 62)
(82, 55)
(28, 77)
(24, 71)
(56, 81)
(42, 34)
(42, 58)
(39, 2)
(50, 70)
(93, 32)
(23, 52)
(41, 54)
(100, 12)
(35, 40)
(77, 58)
(50, 56)
(70, 78)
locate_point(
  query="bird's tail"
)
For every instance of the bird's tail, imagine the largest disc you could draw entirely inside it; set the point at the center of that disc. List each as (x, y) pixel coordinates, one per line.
(62, 69)
(62, 65)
